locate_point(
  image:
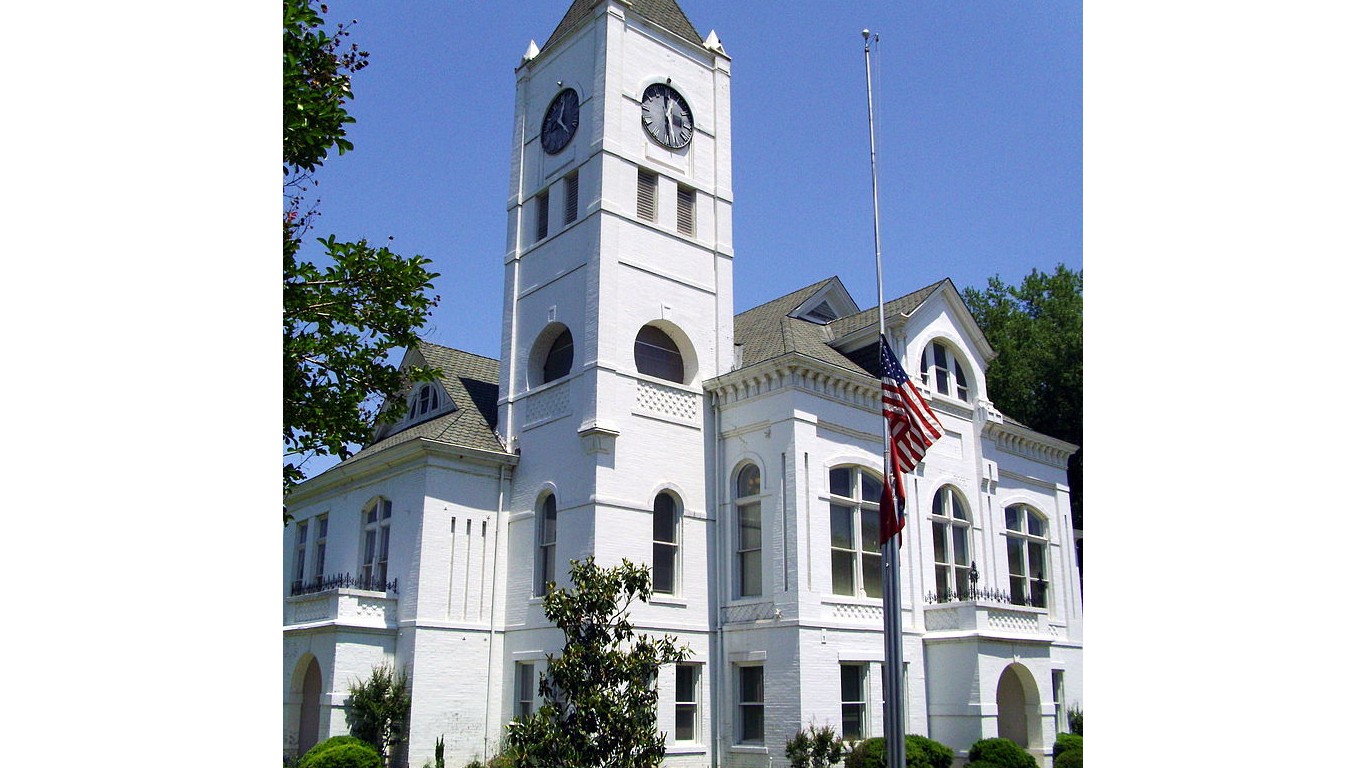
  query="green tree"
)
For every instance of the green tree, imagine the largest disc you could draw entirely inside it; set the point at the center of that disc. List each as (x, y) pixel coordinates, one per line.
(346, 309)
(1036, 378)
(600, 693)
(377, 709)
(813, 747)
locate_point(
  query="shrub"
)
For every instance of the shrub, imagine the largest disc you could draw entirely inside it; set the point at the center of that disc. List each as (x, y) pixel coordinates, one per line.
(936, 755)
(377, 709)
(1003, 753)
(349, 754)
(1065, 742)
(501, 761)
(1069, 759)
(921, 752)
(814, 747)
(328, 744)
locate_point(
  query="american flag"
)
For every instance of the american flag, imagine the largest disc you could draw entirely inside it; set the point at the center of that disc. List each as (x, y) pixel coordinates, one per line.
(912, 427)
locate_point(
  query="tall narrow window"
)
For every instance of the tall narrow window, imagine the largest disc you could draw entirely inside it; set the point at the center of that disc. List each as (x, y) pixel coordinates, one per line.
(542, 215)
(751, 704)
(560, 359)
(374, 568)
(952, 552)
(688, 681)
(526, 690)
(853, 699)
(855, 557)
(300, 553)
(545, 558)
(687, 206)
(571, 197)
(666, 544)
(940, 370)
(657, 355)
(646, 186)
(1027, 551)
(319, 547)
(749, 575)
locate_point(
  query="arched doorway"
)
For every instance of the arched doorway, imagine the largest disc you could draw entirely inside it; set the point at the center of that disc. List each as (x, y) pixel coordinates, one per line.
(1018, 717)
(309, 707)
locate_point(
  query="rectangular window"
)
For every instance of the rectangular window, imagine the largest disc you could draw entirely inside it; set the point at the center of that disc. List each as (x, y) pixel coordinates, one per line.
(374, 568)
(665, 544)
(687, 205)
(300, 552)
(646, 185)
(526, 690)
(751, 704)
(542, 215)
(853, 699)
(689, 681)
(319, 548)
(545, 564)
(571, 197)
(748, 553)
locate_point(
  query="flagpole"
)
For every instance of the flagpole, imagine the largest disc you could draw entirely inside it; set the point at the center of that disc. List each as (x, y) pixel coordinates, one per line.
(893, 718)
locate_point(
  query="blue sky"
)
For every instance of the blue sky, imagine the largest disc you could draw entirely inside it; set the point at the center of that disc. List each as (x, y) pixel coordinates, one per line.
(979, 143)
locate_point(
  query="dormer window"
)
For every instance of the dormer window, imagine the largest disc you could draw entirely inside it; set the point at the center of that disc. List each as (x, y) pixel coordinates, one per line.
(940, 371)
(424, 401)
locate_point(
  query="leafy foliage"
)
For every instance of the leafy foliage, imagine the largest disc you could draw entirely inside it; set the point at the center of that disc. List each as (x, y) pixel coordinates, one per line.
(377, 709)
(921, 752)
(1069, 759)
(341, 752)
(1066, 741)
(599, 694)
(1074, 719)
(1002, 753)
(345, 310)
(813, 747)
(1036, 329)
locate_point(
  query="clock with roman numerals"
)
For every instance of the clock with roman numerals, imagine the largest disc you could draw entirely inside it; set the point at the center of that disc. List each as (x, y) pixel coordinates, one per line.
(666, 116)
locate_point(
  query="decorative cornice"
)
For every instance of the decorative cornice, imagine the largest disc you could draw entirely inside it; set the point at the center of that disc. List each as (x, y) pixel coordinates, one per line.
(796, 371)
(391, 459)
(1022, 441)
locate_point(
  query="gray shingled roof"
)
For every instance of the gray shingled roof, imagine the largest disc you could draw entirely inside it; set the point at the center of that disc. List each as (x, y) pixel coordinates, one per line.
(767, 331)
(665, 13)
(471, 382)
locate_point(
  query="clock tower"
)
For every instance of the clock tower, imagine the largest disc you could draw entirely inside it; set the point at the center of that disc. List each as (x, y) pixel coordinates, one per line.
(617, 305)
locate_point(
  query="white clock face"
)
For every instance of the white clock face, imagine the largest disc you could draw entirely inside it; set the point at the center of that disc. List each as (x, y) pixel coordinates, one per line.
(666, 116)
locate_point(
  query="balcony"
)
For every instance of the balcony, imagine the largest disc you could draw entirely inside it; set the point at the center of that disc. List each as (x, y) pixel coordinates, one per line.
(985, 613)
(345, 601)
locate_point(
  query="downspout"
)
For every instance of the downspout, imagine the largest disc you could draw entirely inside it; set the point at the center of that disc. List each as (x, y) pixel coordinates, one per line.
(493, 606)
(718, 570)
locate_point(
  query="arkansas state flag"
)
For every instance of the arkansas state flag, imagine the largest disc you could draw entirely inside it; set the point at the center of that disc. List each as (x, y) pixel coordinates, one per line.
(912, 429)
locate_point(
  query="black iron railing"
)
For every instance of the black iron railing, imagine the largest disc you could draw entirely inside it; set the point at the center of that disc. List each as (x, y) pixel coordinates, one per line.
(1035, 599)
(343, 581)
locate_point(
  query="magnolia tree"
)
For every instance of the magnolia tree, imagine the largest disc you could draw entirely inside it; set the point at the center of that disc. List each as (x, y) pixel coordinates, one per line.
(600, 694)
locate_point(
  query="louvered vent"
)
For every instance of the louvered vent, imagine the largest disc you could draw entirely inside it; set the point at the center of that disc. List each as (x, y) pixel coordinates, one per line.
(542, 215)
(687, 205)
(646, 185)
(571, 197)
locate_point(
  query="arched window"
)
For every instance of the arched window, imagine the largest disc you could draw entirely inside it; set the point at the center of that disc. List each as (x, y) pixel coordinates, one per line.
(952, 544)
(545, 544)
(424, 400)
(374, 568)
(855, 557)
(559, 359)
(657, 355)
(941, 371)
(749, 538)
(1027, 551)
(666, 544)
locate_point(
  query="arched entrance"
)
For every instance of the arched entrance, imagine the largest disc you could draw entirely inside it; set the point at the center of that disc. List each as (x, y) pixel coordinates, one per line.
(1018, 717)
(309, 706)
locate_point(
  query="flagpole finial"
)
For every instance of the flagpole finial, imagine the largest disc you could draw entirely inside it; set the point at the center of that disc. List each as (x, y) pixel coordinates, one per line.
(866, 33)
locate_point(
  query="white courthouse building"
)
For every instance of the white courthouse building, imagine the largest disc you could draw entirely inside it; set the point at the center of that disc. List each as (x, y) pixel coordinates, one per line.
(634, 415)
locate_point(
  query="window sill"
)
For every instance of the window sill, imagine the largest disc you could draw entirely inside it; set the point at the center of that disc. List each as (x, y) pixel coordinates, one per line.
(749, 749)
(668, 600)
(686, 748)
